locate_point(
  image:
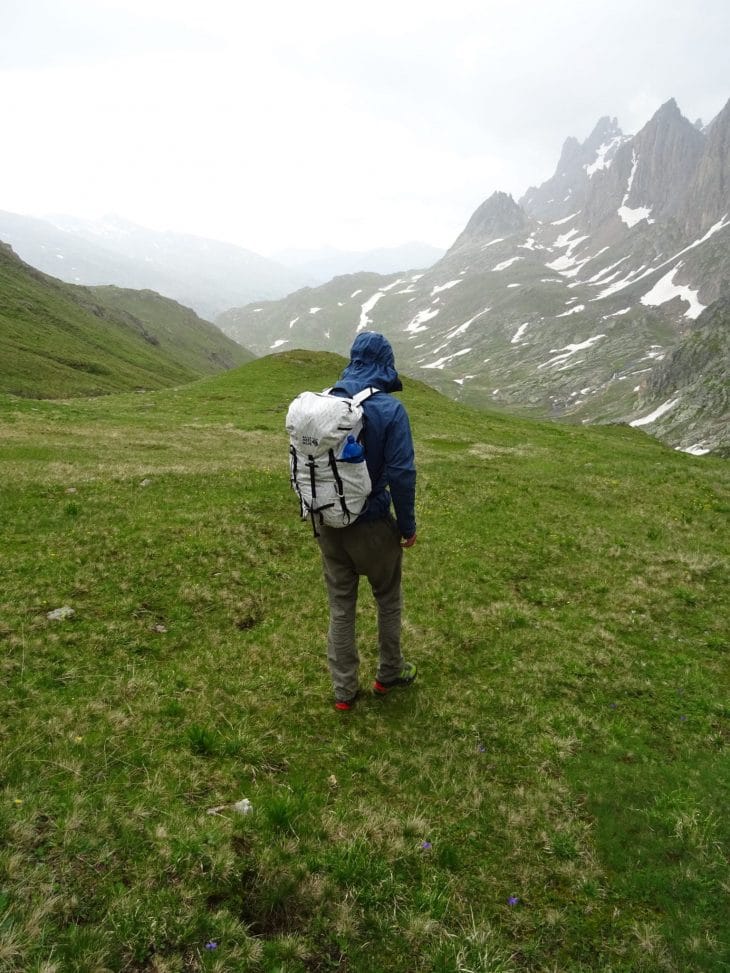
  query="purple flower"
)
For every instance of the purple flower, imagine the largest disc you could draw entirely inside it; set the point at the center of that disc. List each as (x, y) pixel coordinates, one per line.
(683, 717)
(426, 845)
(512, 900)
(211, 945)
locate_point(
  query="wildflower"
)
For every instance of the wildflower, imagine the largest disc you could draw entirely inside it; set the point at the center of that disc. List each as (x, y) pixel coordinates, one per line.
(512, 900)
(211, 945)
(481, 748)
(426, 845)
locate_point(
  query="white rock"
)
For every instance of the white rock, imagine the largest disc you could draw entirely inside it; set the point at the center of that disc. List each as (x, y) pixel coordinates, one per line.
(59, 614)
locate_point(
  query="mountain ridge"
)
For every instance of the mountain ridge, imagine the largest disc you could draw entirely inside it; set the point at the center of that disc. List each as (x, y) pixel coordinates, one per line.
(559, 306)
(207, 275)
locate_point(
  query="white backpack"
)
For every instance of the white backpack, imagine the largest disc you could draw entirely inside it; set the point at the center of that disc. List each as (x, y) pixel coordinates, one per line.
(331, 490)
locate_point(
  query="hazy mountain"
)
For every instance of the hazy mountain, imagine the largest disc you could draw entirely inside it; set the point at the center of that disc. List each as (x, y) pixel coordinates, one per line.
(59, 340)
(324, 264)
(206, 275)
(568, 303)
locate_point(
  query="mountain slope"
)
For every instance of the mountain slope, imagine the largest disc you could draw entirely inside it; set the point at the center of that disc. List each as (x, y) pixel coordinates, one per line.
(206, 275)
(58, 339)
(562, 305)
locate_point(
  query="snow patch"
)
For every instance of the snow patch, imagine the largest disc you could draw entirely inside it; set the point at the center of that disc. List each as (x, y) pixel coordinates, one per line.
(601, 162)
(355, 293)
(506, 263)
(530, 244)
(566, 219)
(656, 414)
(564, 239)
(279, 343)
(699, 449)
(514, 285)
(666, 290)
(606, 270)
(492, 242)
(417, 324)
(366, 308)
(632, 216)
(293, 321)
(444, 287)
(579, 264)
(313, 310)
(447, 358)
(519, 332)
(563, 354)
(574, 310)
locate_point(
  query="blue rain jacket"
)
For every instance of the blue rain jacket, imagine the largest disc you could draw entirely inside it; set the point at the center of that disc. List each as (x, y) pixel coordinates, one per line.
(386, 431)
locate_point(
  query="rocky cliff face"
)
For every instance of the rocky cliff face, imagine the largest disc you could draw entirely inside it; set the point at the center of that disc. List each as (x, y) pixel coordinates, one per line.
(709, 189)
(498, 216)
(568, 304)
(569, 188)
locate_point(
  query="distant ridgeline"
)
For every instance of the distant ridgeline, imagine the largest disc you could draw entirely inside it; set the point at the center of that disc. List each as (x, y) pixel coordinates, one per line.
(59, 340)
(601, 297)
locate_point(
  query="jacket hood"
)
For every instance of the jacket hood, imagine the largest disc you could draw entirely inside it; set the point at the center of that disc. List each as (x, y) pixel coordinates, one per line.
(371, 363)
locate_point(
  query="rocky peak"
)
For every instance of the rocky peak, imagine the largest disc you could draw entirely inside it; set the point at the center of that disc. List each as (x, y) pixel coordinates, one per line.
(570, 186)
(670, 109)
(605, 130)
(498, 216)
(664, 156)
(570, 154)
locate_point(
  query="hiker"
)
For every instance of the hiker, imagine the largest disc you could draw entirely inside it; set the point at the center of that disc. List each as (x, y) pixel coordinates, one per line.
(372, 545)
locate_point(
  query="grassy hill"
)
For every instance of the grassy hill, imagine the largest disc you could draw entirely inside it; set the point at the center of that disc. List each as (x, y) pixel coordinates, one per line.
(59, 340)
(551, 794)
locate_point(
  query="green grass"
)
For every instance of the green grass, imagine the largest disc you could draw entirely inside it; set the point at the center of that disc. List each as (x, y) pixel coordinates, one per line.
(565, 744)
(58, 340)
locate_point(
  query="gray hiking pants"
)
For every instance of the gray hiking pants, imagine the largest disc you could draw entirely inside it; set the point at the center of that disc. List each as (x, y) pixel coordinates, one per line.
(370, 548)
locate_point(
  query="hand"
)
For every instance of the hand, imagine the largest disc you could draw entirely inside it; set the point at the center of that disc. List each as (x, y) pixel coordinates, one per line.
(408, 541)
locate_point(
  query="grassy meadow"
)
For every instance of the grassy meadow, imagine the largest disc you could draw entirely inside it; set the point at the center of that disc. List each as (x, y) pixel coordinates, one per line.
(551, 795)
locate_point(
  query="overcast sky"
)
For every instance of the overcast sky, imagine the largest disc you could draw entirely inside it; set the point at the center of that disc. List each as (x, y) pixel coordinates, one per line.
(299, 124)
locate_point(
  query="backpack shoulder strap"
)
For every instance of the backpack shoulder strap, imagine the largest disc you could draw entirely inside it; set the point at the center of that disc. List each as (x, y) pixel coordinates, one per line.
(363, 395)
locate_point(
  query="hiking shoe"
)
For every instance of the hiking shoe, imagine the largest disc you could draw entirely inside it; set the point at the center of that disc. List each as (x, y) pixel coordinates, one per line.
(343, 705)
(407, 674)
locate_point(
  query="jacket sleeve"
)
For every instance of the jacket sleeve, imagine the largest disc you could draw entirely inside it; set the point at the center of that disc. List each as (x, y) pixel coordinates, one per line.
(400, 471)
